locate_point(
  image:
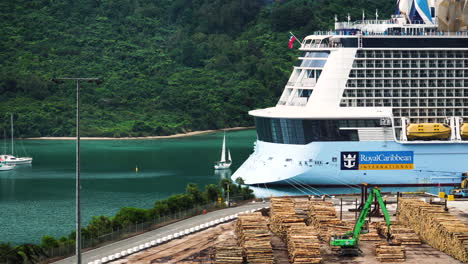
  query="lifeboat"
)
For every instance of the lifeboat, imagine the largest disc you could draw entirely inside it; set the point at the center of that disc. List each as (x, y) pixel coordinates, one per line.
(428, 131)
(464, 131)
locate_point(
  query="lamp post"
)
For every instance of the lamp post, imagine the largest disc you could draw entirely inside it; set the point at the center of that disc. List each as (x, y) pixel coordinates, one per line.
(77, 179)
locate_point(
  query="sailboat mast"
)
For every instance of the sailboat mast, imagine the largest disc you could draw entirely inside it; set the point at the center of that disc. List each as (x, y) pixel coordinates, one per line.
(223, 150)
(12, 145)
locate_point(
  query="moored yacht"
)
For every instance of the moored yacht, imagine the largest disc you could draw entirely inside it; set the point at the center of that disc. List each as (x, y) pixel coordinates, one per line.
(10, 159)
(223, 164)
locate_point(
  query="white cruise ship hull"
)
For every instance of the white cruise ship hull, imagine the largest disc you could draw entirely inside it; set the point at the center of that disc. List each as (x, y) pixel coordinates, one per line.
(321, 164)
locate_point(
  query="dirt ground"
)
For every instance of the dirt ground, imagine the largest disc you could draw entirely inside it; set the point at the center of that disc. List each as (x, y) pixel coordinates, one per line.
(195, 248)
(199, 247)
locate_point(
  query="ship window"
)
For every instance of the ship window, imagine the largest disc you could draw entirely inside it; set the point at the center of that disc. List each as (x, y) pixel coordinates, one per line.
(313, 63)
(298, 131)
(321, 54)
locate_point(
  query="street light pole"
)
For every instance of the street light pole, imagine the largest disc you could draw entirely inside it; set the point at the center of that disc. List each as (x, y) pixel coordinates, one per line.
(77, 179)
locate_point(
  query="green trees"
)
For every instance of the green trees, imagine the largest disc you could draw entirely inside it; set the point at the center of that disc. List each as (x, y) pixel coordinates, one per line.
(168, 66)
(26, 253)
(129, 215)
(49, 242)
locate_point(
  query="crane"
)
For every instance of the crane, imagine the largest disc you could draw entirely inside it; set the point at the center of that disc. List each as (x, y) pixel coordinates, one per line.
(348, 242)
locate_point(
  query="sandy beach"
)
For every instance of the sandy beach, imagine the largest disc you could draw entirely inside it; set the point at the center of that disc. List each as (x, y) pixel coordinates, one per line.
(193, 133)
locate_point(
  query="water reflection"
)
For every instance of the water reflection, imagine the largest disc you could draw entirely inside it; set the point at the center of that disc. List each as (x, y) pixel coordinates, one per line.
(223, 174)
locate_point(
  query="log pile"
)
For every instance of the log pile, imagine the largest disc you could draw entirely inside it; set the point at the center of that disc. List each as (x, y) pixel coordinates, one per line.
(301, 207)
(282, 216)
(254, 238)
(438, 228)
(390, 253)
(322, 216)
(372, 235)
(303, 244)
(400, 233)
(228, 254)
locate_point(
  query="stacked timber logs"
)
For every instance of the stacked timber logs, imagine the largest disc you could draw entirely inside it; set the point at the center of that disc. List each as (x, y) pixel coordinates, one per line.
(438, 228)
(400, 233)
(322, 216)
(254, 238)
(301, 207)
(228, 254)
(372, 235)
(390, 253)
(282, 215)
(303, 244)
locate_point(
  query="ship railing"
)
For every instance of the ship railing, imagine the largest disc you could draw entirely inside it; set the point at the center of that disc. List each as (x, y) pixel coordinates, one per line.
(330, 45)
(342, 25)
(370, 33)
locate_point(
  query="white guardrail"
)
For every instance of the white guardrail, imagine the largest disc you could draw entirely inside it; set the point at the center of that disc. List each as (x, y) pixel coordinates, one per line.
(165, 239)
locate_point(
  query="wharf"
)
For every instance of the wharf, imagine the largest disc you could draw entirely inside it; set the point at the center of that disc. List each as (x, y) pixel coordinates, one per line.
(201, 247)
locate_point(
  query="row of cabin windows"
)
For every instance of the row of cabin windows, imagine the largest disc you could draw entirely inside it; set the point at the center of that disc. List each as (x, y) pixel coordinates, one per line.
(401, 83)
(412, 54)
(397, 112)
(408, 73)
(439, 63)
(459, 103)
(371, 93)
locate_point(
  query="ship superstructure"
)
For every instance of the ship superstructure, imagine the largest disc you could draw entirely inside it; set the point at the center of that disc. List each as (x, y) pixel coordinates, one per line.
(377, 101)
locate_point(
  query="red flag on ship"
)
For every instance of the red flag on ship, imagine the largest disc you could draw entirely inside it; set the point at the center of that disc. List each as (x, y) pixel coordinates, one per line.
(291, 41)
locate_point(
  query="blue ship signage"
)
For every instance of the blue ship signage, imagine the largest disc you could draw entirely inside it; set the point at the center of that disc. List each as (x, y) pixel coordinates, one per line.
(377, 160)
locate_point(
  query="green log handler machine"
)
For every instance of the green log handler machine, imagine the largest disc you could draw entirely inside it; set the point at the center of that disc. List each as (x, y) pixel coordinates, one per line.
(348, 242)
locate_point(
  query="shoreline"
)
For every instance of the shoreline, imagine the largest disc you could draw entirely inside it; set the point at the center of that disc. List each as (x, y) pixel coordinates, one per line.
(180, 135)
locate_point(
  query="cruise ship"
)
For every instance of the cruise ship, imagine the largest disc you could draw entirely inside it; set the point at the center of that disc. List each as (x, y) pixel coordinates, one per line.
(377, 101)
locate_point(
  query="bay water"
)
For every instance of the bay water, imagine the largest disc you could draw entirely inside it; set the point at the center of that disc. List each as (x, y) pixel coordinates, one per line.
(39, 199)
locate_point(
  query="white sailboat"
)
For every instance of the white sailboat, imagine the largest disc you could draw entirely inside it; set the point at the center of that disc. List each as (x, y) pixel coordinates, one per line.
(223, 163)
(3, 165)
(11, 159)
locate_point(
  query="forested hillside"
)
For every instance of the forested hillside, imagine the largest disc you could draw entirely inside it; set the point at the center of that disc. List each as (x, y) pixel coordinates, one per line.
(167, 66)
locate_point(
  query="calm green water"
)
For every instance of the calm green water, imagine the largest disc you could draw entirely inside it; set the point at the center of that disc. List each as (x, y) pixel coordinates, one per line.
(39, 199)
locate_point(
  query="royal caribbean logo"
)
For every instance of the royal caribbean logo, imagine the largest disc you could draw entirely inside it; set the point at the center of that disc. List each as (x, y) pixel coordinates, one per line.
(377, 160)
(349, 161)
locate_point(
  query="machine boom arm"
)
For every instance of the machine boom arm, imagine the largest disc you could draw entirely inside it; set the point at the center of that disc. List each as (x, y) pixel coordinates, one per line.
(374, 194)
(348, 242)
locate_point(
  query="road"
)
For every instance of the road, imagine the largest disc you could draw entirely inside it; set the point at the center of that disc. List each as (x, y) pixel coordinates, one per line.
(135, 241)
